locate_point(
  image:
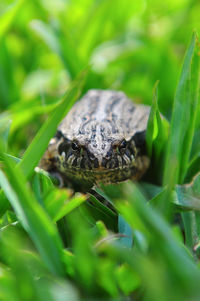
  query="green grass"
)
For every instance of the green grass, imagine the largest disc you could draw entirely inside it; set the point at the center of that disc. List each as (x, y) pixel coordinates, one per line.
(55, 245)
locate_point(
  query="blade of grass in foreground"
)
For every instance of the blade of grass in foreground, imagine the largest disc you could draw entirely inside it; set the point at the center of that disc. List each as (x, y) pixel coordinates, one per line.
(60, 43)
(8, 17)
(150, 133)
(194, 101)
(41, 140)
(157, 128)
(183, 120)
(33, 218)
(159, 233)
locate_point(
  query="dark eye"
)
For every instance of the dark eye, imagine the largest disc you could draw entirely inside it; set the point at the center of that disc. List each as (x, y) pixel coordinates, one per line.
(75, 146)
(123, 144)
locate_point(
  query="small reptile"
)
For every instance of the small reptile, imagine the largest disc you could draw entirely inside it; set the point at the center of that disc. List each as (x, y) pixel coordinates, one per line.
(101, 139)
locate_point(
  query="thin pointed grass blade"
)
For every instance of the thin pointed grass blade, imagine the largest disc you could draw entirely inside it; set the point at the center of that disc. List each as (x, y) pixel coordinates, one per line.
(4, 204)
(194, 104)
(46, 33)
(69, 207)
(162, 135)
(157, 130)
(8, 17)
(60, 42)
(158, 232)
(41, 140)
(70, 56)
(180, 119)
(5, 122)
(33, 218)
(187, 197)
(90, 33)
(151, 131)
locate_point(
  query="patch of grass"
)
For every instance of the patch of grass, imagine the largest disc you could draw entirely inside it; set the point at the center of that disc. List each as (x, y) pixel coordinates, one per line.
(59, 246)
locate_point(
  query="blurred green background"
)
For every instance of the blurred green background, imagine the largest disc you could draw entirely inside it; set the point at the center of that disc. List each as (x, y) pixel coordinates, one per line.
(58, 246)
(129, 45)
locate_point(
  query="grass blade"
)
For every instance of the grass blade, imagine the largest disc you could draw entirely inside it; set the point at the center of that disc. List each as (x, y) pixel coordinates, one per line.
(70, 206)
(161, 234)
(5, 122)
(181, 120)
(8, 17)
(41, 140)
(151, 132)
(60, 42)
(194, 103)
(33, 218)
(154, 121)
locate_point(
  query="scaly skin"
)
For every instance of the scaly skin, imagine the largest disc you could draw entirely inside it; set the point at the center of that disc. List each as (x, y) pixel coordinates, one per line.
(101, 139)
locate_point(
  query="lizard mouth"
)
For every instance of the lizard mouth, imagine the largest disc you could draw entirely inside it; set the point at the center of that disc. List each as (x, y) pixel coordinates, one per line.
(118, 164)
(96, 165)
(103, 175)
(100, 169)
(132, 169)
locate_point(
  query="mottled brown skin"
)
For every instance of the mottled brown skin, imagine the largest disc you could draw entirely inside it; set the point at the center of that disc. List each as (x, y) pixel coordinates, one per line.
(101, 139)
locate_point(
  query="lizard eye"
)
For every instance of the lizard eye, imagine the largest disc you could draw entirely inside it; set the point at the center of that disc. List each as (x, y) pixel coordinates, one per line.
(121, 147)
(75, 146)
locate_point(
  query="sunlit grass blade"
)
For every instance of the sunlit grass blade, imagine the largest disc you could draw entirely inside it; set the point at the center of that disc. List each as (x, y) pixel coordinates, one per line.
(22, 115)
(152, 126)
(194, 104)
(33, 218)
(60, 42)
(157, 231)
(59, 202)
(182, 120)
(193, 168)
(89, 33)
(22, 264)
(126, 231)
(5, 122)
(82, 242)
(157, 130)
(4, 204)
(41, 140)
(188, 196)
(69, 206)
(23, 280)
(8, 17)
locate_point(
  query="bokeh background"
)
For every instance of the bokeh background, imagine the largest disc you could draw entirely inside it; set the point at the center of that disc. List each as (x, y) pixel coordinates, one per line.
(129, 45)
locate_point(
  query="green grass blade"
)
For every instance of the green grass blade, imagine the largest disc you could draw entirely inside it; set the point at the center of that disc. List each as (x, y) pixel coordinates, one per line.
(188, 196)
(5, 122)
(152, 122)
(158, 232)
(41, 140)
(180, 119)
(91, 32)
(70, 206)
(4, 204)
(59, 202)
(194, 103)
(61, 43)
(8, 17)
(157, 128)
(33, 218)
